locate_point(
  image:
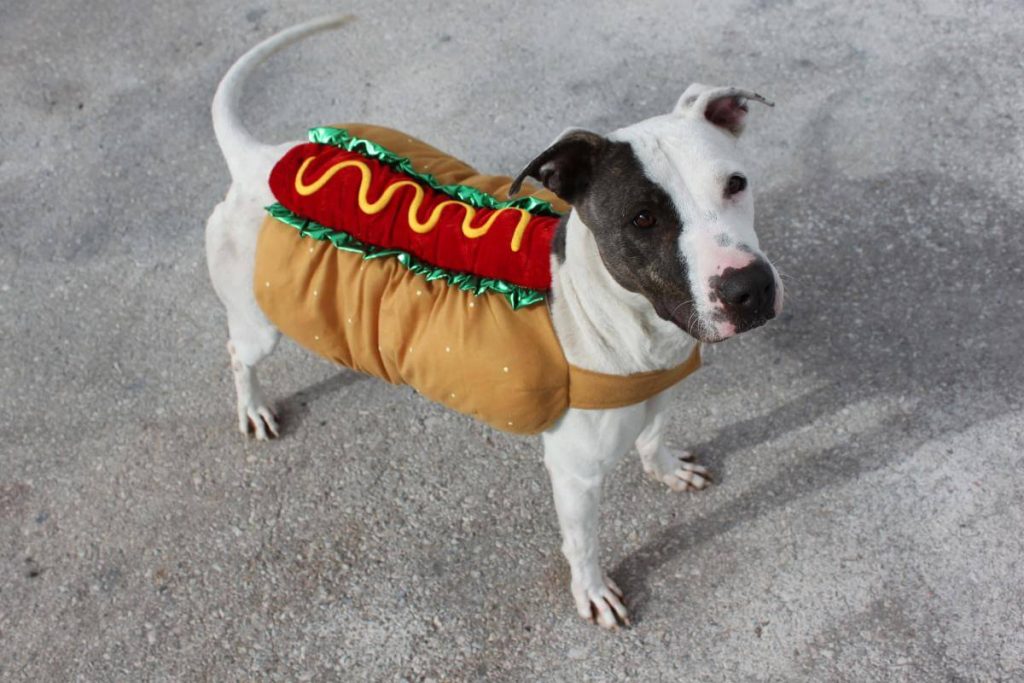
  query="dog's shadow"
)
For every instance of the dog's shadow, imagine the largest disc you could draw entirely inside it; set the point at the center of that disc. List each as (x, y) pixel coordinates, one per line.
(294, 409)
(819, 470)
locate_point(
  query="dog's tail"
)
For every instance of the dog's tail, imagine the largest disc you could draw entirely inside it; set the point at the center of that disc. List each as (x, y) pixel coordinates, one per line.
(235, 141)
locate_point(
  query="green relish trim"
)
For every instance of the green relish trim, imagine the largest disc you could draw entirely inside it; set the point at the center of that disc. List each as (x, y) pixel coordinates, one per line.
(516, 295)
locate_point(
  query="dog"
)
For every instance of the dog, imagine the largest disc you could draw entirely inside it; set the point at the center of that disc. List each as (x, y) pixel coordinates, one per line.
(657, 256)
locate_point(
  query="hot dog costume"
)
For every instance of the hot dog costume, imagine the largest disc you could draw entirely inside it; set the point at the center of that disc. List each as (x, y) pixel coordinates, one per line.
(390, 257)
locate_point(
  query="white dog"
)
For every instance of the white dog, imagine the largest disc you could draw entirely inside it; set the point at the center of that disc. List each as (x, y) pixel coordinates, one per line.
(657, 255)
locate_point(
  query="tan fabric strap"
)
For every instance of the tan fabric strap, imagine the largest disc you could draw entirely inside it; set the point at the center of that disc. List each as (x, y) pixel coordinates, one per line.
(597, 391)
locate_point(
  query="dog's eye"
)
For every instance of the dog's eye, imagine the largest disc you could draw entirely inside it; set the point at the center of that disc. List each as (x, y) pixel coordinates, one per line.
(736, 184)
(644, 219)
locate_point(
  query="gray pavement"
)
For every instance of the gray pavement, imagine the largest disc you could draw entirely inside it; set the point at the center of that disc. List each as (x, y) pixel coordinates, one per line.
(866, 523)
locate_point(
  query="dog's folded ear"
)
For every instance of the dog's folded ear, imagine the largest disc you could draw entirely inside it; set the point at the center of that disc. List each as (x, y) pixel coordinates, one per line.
(565, 167)
(725, 107)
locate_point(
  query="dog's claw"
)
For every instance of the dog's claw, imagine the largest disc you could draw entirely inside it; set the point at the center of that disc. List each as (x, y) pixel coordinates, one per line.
(259, 421)
(602, 604)
(685, 475)
(688, 477)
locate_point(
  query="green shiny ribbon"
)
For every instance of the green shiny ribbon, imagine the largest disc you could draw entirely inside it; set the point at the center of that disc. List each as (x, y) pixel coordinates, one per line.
(516, 295)
(341, 138)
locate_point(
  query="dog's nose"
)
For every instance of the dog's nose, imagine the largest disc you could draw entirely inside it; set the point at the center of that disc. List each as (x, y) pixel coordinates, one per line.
(748, 294)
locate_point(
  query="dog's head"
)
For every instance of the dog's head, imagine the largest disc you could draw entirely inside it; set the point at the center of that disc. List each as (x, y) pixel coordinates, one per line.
(669, 202)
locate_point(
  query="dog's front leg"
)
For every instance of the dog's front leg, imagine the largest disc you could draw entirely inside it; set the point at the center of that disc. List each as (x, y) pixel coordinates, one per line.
(579, 452)
(676, 469)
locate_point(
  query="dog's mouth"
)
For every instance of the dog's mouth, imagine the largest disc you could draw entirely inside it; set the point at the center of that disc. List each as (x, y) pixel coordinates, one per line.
(683, 315)
(719, 328)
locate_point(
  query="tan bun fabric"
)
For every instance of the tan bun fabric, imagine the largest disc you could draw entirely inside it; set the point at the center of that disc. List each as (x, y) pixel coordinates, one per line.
(473, 354)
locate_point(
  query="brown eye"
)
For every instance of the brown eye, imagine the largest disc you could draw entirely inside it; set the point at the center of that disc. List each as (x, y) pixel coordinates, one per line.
(644, 219)
(736, 184)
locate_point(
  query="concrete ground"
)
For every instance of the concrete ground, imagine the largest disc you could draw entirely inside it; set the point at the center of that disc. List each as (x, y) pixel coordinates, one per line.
(866, 523)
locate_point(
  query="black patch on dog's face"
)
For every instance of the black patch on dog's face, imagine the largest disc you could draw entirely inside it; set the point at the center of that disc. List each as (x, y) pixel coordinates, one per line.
(645, 260)
(606, 184)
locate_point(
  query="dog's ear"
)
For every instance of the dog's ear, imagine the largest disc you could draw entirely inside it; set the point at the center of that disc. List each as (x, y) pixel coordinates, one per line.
(565, 167)
(725, 107)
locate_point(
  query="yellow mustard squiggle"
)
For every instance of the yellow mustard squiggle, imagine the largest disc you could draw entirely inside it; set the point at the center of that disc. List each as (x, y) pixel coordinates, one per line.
(421, 227)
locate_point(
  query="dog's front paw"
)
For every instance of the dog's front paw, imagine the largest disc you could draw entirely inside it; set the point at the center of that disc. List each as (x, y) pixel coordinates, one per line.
(600, 601)
(256, 417)
(679, 472)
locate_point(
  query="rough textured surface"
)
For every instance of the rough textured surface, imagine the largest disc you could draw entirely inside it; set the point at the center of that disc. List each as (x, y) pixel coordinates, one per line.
(866, 522)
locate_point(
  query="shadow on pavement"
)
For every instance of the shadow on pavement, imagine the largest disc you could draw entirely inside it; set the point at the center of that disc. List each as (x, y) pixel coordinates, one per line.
(908, 289)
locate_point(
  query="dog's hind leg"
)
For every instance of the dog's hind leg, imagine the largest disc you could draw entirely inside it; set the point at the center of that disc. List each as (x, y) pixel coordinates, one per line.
(231, 234)
(676, 469)
(253, 408)
(234, 226)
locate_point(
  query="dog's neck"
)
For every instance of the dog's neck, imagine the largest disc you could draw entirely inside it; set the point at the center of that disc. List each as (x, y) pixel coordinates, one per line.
(601, 325)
